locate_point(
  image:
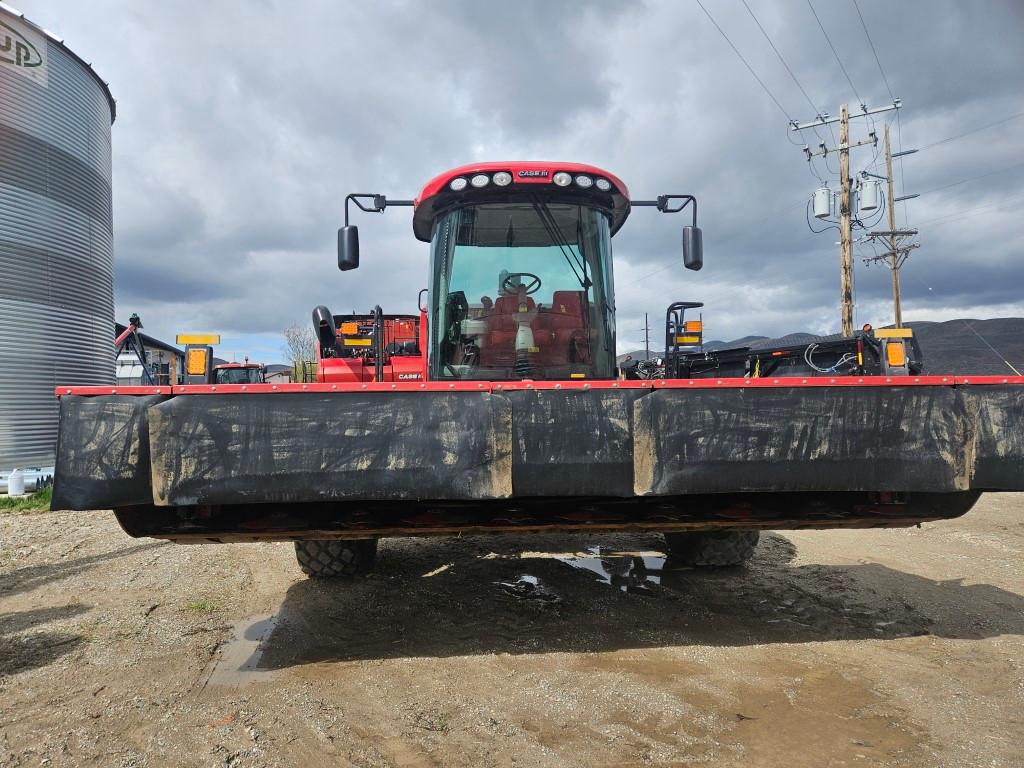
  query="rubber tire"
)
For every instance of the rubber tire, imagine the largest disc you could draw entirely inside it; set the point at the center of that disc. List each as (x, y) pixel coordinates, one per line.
(329, 558)
(716, 549)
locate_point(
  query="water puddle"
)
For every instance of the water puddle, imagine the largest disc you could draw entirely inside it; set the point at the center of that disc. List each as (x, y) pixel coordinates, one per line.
(528, 587)
(629, 572)
(237, 662)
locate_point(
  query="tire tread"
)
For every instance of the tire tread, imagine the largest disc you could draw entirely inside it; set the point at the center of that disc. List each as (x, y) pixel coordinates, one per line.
(326, 558)
(716, 549)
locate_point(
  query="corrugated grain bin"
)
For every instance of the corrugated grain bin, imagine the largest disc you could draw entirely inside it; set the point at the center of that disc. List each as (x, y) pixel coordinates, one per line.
(56, 240)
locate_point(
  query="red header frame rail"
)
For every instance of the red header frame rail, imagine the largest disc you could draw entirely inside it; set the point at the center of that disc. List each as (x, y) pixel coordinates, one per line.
(518, 386)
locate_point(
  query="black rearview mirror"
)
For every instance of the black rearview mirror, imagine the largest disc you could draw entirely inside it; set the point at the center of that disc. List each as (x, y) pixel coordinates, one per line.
(348, 247)
(693, 248)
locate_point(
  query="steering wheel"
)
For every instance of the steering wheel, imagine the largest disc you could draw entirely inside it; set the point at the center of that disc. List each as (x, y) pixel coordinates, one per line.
(532, 285)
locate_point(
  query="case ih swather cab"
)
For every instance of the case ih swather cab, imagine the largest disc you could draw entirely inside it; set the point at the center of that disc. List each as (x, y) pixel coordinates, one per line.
(500, 407)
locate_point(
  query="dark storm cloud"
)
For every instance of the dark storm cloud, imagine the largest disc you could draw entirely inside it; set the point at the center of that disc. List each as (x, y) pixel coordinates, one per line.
(241, 126)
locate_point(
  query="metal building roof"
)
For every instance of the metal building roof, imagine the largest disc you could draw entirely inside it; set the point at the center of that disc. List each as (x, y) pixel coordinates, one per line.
(150, 341)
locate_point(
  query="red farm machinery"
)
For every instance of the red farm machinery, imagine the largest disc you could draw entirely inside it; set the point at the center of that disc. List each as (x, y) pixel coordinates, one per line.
(500, 406)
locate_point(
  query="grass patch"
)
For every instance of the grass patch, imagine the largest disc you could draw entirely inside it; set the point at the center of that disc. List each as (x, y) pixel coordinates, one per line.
(434, 721)
(202, 606)
(37, 502)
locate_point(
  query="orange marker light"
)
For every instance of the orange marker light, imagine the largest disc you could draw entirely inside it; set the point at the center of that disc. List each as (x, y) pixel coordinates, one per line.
(896, 354)
(195, 363)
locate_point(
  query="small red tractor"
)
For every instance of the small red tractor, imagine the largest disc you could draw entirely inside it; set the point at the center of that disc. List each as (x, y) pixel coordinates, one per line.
(500, 407)
(238, 373)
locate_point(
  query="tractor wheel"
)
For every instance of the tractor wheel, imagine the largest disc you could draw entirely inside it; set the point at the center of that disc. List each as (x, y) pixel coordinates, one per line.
(322, 558)
(712, 548)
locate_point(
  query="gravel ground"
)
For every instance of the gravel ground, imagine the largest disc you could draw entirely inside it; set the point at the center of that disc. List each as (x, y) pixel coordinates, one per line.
(860, 648)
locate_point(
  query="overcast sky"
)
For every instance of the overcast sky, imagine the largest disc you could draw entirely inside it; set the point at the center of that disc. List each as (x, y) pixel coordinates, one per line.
(242, 125)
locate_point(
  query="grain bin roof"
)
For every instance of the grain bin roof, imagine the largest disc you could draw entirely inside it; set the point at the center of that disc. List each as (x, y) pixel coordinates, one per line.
(52, 37)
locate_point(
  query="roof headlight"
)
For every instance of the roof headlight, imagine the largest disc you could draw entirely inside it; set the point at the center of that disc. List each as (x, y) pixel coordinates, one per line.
(603, 184)
(480, 180)
(562, 179)
(584, 181)
(457, 184)
(502, 178)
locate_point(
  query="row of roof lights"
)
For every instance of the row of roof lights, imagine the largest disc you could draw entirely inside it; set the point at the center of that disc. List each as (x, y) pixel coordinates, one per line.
(504, 178)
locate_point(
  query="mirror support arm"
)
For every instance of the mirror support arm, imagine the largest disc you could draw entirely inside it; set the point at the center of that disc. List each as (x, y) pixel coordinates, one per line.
(665, 204)
(693, 244)
(372, 203)
(348, 235)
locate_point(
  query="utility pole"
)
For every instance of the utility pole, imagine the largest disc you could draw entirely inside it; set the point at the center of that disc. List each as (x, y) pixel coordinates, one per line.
(897, 253)
(845, 233)
(845, 212)
(647, 338)
(892, 228)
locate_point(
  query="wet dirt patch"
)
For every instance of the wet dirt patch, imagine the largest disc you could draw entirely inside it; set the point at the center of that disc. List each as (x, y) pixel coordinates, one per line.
(633, 573)
(236, 663)
(528, 587)
(876, 648)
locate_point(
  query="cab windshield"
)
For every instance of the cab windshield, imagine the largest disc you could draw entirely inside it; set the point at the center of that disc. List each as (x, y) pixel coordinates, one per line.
(237, 376)
(523, 290)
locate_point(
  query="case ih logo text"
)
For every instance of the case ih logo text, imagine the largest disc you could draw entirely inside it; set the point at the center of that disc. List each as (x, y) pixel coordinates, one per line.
(16, 49)
(532, 174)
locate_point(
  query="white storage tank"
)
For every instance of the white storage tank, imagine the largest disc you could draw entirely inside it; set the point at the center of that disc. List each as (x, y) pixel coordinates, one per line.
(16, 483)
(56, 239)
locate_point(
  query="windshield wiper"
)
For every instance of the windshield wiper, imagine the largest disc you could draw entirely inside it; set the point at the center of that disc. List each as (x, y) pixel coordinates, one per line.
(559, 239)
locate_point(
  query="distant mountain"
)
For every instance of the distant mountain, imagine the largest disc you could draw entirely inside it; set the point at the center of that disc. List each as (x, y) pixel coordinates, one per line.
(744, 341)
(952, 346)
(972, 346)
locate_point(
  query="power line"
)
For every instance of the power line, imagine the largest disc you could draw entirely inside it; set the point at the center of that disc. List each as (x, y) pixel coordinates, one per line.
(753, 226)
(651, 274)
(899, 123)
(834, 52)
(957, 216)
(799, 85)
(966, 214)
(972, 178)
(973, 130)
(878, 61)
(994, 350)
(903, 186)
(903, 177)
(971, 328)
(872, 44)
(745, 62)
(790, 71)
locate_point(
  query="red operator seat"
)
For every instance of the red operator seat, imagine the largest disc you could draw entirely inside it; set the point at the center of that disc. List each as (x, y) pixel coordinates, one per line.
(561, 331)
(500, 346)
